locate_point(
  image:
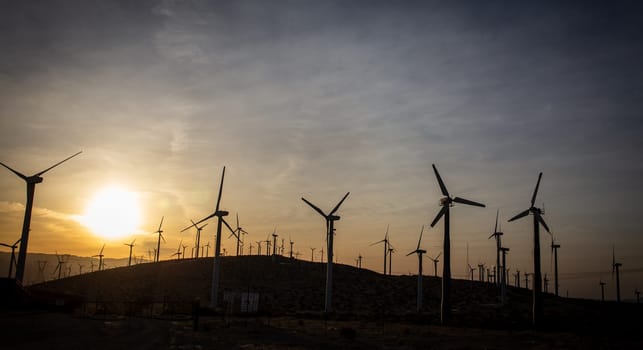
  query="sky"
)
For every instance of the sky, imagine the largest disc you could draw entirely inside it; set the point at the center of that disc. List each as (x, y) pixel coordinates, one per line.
(319, 98)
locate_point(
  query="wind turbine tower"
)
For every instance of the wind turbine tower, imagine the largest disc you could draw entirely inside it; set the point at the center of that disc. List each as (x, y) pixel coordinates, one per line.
(554, 248)
(616, 267)
(419, 253)
(198, 235)
(602, 284)
(330, 232)
(219, 214)
(503, 279)
(12, 260)
(31, 189)
(497, 234)
(386, 243)
(158, 244)
(537, 305)
(447, 202)
(130, 245)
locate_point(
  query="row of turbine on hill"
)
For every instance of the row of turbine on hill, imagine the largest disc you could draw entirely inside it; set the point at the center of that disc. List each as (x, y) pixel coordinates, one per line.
(446, 202)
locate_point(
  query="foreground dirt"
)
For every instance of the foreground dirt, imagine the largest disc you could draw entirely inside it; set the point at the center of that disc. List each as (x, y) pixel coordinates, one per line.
(42, 330)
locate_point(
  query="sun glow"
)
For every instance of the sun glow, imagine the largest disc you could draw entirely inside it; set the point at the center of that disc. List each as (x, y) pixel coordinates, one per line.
(112, 213)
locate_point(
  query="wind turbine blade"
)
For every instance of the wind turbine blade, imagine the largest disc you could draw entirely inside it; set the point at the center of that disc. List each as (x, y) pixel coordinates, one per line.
(495, 228)
(133, 241)
(206, 218)
(436, 258)
(101, 250)
(206, 224)
(386, 234)
(420, 240)
(161, 224)
(18, 241)
(542, 222)
(443, 188)
(15, 172)
(338, 204)
(229, 228)
(220, 190)
(613, 261)
(314, 207)
(415, 251)
(237, 220)
(468, 202)
(6, 245)
(437, 217)
(533, 198)
(377, 242)
(493, 234)
(163, 238)
(57, 164)
(521, 215)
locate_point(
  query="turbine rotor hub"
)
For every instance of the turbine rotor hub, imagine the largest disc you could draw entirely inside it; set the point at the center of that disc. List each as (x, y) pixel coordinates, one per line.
(446, 201)
(221, 213)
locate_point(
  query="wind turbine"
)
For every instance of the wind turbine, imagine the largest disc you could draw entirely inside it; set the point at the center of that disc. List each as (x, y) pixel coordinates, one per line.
(274, 242)
(41, 270)
(178, 251)
(537, 279)
(602, 284)
(330, 232)
(419, 252)
(100, 258)
(554, 249)
(12, 260)
(207, 248)
(391, 250)
(291, 243)
(237, 233)
(471, 270)
(503, 279)
(385, 241)
(481, 272)
(312, 254)
(616, 267)
(447, 202)
(198, 234)
(435, 264)
(359, 261)
(158, 244)
(259, 247)
(496, 233)
(31, 189)
(214, 297)
(61, 262)
(131, 245)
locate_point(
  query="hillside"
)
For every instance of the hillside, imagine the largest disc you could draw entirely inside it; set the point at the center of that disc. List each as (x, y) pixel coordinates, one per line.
(289, 286)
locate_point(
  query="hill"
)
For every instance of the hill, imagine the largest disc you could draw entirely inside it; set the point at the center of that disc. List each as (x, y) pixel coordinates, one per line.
(289, 286)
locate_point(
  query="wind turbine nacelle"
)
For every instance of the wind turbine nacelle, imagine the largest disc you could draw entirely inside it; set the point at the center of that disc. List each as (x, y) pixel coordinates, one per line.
(34, 179)
(333, 218)
(445, 201)
(222, 213)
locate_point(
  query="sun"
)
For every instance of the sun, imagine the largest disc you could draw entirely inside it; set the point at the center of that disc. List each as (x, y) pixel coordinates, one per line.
(112, 213)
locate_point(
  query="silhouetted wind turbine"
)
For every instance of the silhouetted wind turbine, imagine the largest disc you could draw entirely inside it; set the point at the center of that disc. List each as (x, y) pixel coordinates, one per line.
(291, 243)
(435, 264)
(602, 284)
(312, 254)
(207, 248)
(41, 270)
(616, 268)
(419, 253)
(237, 233)
(538, 220)
(130, 245)
(100, 258)
(391, 250)
(503, 279)
(385, 241)
(61, 262)
(330, 232)
(258, 247)
(497, 234)
(214, 297)
(198, 235)
(274, 242)
(31, 188)
(158, 244)
(12, 260)
(554, 249)
(447, 202)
